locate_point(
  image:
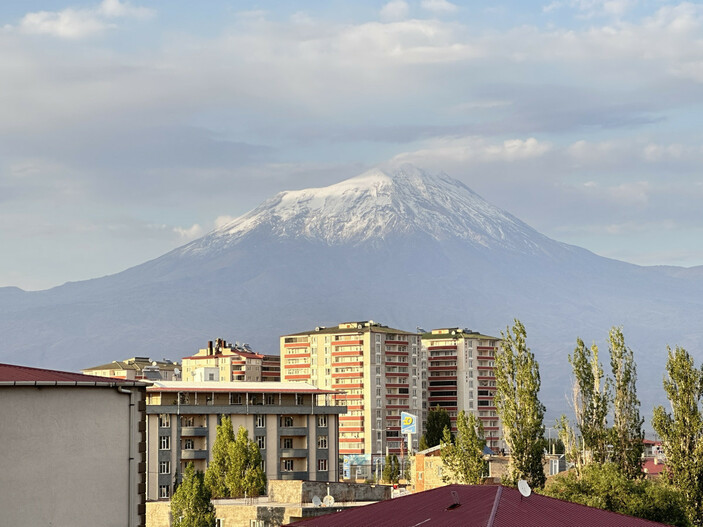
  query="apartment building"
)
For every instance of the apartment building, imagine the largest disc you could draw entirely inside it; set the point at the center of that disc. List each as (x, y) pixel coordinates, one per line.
(380, 371)
(461, 369)
(137, 368)
(74, 449)
(223, 361)
(294, 424)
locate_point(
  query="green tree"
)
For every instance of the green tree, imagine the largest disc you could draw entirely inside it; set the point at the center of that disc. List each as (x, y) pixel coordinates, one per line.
(627, 435)
(590, 400)
(517, 386)
(245, 475)
(437, 420)
(391, 472)
(603, 485)
(191, 505)
(219, 465)
(463, 459)
(682, 431)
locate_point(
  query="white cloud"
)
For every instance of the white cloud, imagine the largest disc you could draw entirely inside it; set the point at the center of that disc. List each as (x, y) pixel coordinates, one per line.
(394, 10)
(438, 6)
(72, 23)
(593, 8)
(189, 233)
(475, 149)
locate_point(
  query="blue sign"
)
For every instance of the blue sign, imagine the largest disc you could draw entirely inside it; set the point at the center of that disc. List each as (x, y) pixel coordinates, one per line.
(408, 423)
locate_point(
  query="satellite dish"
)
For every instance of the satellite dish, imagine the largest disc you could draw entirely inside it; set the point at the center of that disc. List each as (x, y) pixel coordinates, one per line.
(524, 488)
(329, 501)
(316, 501)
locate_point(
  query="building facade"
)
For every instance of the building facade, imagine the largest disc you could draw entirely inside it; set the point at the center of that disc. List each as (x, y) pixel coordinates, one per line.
(74, 449)
(138, 368)
(380, 371)
(294, 427)
(223, 361)
(461, 376)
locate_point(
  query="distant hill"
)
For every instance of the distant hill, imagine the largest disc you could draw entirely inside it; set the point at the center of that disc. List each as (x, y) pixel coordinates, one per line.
(401, 247)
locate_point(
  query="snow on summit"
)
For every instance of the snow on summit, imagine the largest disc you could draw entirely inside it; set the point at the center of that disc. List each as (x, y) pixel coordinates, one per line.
(377, 204)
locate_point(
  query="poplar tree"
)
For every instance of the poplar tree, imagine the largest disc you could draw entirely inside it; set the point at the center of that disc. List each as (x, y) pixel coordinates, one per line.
(191, 505)
(219, 465)
(590, 400)
(627, 435)
(463, 459)
(521, 412)
(682, 430)
(245, 475)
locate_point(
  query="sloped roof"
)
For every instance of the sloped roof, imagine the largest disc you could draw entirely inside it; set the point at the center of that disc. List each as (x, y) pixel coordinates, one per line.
(479, 506)
(135, 363)
(11, 374)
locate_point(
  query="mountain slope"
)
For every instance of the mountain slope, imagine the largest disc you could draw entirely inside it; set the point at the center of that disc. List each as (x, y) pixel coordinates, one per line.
(398, 246)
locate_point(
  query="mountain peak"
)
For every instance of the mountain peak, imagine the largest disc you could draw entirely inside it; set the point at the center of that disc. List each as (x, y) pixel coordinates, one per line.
(380, 203)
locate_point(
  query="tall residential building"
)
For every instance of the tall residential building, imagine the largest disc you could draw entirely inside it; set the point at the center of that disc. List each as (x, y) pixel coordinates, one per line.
(138, 368)
(380, 370)
(461, 366)
(295, 428)
(223, 361)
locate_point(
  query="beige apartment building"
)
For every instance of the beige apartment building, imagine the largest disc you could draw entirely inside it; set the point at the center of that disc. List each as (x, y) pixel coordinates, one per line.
(380, 371)
(138, 368)
(223, 361)
(461, 369)
(295, 426)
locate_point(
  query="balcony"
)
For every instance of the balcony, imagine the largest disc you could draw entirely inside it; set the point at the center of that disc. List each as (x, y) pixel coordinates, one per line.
(301, 475)
(294, 452)
(190, 431)
(193, 454)
(293, 430)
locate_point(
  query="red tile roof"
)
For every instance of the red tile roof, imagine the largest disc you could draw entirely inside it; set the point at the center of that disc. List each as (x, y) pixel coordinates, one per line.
(651, 468)
(11, 374)
(480, 506)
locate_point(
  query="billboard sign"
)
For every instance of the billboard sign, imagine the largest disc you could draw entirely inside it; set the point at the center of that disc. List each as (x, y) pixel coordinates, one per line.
(408, 423)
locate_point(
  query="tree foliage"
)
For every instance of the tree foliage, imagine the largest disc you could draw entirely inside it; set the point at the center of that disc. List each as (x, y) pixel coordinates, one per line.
(522, 414)
(682, 430)
(245, 475)
(626, 435)
(463, 459)
(590, 401)
(391, 472)
(235, 469)
(219, 465)
(603, 485)
(191, 505)
(437, 420)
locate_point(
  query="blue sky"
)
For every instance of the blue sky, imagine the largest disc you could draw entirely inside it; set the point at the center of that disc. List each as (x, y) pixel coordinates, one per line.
(129, 128)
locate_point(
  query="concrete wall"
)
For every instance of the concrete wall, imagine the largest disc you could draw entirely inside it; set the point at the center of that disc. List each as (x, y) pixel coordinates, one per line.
(66, 457)
(303, 491)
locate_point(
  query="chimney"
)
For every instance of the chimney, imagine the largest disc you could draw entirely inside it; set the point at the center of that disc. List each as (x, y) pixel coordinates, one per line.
(209, 347)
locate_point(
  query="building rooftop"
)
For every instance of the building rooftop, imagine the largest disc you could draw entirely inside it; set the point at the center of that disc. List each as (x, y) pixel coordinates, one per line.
(477, 505)
(441, 333)
(14, 375)
(352, 327)
(238, 387)
(135, 363)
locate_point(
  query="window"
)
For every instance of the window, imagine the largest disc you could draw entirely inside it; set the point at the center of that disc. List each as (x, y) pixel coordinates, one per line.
(261, 441)
(322, 442)
(164, 491)
(260, 421)
(164, 420)
(298, 399)
(165, 443)
(165, 467)
(322, 421)
(257, 523)
(210, 376)
(270, 399)
(188, 444)
(287, 442)
(219, 522)
(286, 421)
(287, 465)
(322, 465)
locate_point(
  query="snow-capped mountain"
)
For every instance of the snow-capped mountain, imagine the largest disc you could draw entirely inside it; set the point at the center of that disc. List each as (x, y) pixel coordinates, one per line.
(395, 245)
